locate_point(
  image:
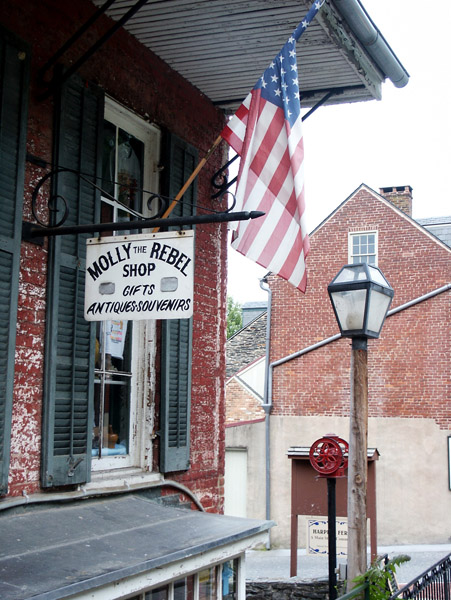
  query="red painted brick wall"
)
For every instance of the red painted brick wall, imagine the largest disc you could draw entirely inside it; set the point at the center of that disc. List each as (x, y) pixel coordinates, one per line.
(141, 81)
(409, 366)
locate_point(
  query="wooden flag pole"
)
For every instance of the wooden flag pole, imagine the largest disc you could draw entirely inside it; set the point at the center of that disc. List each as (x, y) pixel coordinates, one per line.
(190, 180)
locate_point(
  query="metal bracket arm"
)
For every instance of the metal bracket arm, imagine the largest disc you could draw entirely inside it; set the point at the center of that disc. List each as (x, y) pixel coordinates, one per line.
(31, 231)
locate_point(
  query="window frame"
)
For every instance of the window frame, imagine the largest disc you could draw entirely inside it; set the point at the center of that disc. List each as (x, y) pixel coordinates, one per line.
(143, 360)
(144, 593)
(352, 234)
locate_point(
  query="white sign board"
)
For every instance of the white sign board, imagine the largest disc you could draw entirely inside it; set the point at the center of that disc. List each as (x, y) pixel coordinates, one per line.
(318, 539)
(140, 276)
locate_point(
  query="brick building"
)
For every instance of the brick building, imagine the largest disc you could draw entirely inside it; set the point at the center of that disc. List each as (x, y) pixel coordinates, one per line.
(110, 430)
(409, 368)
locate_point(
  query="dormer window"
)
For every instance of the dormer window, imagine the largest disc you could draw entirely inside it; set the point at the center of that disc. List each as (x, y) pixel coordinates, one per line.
(362, 247)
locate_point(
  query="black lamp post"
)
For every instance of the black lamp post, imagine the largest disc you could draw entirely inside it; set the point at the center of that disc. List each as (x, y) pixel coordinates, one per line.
(361, 297)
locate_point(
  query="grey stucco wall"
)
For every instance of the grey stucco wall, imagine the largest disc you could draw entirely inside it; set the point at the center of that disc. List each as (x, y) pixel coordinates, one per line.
(413, 496)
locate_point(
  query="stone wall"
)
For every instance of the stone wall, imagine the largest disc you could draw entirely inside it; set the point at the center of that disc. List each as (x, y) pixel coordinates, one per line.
(287, 590)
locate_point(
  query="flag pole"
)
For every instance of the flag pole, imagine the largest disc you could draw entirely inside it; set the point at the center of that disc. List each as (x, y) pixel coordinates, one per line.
(190, 180)
(296, 34)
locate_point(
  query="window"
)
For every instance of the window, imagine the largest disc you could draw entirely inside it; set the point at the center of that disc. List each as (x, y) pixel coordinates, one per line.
(230, 580)
(100, 377)
(362, 247)
(207, 584)
(130, 148)
(202, 585)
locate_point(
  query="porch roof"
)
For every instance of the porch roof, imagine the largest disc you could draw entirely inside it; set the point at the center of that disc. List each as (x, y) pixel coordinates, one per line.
(53, 551)
(223, 47)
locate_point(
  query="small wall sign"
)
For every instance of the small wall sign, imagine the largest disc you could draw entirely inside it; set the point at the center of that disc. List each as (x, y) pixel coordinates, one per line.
(317, 536)
(140, 276)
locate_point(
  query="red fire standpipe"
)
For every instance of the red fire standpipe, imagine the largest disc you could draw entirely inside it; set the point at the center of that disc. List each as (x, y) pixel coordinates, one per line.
(329, 457)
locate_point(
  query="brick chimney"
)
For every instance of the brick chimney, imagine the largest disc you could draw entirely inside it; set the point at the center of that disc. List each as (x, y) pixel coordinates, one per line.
(401, 197)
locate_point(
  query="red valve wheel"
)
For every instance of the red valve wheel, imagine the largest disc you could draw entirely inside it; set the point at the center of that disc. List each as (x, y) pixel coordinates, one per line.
(327, 455)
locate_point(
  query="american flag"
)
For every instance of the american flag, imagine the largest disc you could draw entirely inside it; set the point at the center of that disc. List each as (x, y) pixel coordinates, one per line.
(266, 131)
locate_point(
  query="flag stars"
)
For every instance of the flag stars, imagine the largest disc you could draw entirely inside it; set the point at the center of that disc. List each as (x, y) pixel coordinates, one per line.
(279, 83)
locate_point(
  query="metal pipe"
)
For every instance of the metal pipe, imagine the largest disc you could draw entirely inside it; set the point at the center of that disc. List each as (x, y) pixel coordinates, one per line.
(337, 336)
(83, 494)
(373, 41)
(439, 290)
(267, 408)
(332, 535)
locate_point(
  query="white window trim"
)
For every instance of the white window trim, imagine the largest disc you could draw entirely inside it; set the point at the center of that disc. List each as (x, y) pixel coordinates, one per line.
(148, 133)
(363, 232)
(139, 584)
(144, 332)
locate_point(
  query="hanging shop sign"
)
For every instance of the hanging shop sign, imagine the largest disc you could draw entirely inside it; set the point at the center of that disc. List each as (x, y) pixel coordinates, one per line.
(140, 276)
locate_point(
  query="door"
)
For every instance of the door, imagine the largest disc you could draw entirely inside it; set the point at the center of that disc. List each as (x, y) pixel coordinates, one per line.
(235, 482)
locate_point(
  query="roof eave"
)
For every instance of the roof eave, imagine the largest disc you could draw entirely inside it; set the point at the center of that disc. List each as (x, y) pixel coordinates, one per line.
(373, 41)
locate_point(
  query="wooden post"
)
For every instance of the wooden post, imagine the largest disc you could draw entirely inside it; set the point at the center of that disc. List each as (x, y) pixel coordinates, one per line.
(357, 462)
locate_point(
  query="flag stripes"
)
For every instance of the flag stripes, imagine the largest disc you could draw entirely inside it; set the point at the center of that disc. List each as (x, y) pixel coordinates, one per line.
(266, 131)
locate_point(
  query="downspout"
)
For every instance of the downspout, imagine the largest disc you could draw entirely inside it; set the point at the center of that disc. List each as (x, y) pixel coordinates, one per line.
(267, 406)
(371, 38)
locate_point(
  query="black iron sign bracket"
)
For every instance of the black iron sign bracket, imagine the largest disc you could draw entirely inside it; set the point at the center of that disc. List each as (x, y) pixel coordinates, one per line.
(59, 211)
(32, 232)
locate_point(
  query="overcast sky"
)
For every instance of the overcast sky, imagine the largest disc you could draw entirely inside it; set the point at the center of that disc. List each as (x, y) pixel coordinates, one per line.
(404, 139)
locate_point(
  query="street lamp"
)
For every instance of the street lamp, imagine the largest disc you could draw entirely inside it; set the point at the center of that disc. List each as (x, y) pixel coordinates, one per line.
(361, 297)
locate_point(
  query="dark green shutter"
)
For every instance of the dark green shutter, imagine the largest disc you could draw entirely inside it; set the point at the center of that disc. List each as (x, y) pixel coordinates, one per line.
(14, 79)
(177, 334)
(70, 341)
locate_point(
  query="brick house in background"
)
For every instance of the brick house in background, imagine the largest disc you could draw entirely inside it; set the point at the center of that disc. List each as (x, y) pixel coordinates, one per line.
(245, 358)
(409, 369)
(245, 385)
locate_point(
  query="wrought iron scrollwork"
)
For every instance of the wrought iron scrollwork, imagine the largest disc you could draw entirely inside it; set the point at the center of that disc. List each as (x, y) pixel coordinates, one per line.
(220, 181)
(156, 204)
(163, 204)
(52, 201)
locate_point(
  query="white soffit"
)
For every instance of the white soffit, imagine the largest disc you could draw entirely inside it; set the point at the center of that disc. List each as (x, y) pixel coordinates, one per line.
(222, 48)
